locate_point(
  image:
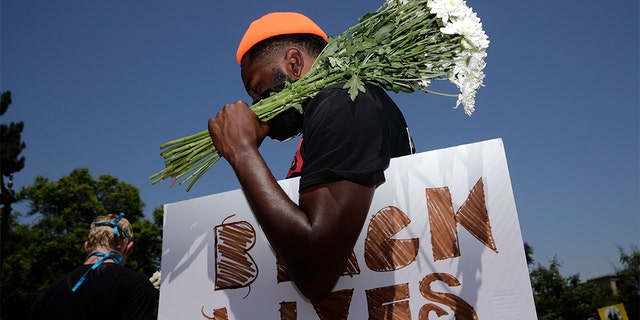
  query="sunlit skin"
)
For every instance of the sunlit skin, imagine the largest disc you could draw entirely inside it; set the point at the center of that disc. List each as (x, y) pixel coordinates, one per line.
(313, 238)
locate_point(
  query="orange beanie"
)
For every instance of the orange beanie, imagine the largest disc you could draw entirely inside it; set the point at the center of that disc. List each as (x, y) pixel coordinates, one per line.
(275, 24)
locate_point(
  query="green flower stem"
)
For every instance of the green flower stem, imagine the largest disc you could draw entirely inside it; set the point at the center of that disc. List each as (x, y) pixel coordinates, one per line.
(192, 137)
(396, 47)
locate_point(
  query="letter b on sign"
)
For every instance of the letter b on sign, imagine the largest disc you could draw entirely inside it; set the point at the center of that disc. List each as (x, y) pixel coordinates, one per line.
(235, 268)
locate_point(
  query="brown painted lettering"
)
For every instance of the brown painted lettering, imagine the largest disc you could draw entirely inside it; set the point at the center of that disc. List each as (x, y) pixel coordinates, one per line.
(218, 314)
(461, 309)
(288, 310)
(381, 253)
(389, 303)
(235, 268)
(472, 215)
(283, 274)
(351, 268)
(444, 237)
(335, 306)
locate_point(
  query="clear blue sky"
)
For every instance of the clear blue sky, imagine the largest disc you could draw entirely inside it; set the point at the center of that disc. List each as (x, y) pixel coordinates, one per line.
(100, 84)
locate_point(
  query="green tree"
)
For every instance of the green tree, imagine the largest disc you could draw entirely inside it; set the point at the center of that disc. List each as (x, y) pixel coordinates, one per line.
(146, 254)
(11, 142)
(565, 298)
(629, 282)
(11, 146)
(52, 245)
(528, 251)
(548, 288)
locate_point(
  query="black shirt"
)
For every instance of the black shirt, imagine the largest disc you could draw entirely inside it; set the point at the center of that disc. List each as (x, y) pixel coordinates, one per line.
(110, 292)
(350, 140)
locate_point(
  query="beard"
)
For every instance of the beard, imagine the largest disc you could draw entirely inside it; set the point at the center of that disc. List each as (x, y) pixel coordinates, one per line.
(288, 123)
(278, 77)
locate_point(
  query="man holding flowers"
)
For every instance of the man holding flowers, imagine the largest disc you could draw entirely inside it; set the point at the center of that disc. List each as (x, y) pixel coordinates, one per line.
(345, 147)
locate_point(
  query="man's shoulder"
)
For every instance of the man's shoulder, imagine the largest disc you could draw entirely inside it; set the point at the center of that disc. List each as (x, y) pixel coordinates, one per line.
(337, 95)
(334, 90)
(370, 88)
(118, 271)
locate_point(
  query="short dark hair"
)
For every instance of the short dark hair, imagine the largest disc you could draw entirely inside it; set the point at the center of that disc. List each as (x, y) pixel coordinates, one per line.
(310, 43)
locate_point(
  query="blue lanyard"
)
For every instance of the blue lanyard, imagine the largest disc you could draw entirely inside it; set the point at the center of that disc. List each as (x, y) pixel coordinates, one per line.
(114, 225)
(113, 255)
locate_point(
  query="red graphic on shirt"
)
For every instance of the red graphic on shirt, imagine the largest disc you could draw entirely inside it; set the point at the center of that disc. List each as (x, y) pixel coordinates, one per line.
(296, 164)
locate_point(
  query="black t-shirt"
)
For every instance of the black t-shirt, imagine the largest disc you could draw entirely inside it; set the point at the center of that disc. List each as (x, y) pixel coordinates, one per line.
(350, 140)
(110, 292)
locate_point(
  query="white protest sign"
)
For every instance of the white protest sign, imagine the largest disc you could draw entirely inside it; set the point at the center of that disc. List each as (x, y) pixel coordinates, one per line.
(442, 241)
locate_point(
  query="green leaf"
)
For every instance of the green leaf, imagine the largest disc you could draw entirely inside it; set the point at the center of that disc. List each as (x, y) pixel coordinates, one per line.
(354, 85)
(384, 32)
(335, 62)
(298, 107)
(366, 16)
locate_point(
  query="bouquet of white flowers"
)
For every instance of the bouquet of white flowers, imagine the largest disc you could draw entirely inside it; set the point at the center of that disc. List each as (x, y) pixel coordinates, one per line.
(404, 46)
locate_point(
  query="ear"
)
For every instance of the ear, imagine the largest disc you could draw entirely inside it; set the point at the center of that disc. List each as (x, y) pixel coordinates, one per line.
(294, 63)
(127, 248)
(86, 246)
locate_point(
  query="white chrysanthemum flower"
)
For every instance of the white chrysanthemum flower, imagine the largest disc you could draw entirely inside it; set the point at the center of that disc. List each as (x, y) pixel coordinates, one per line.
(448, 9)
(468, 77)
(155, 279)
(471, 29)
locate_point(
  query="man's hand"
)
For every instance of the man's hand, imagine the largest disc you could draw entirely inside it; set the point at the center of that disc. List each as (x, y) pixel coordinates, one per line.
(314, 238)
(236, 128)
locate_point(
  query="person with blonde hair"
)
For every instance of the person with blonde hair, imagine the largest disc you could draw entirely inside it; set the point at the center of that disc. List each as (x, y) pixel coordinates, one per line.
(101, 288)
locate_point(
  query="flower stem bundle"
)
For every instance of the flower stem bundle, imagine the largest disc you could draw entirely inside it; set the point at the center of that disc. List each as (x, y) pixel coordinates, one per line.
(403, 47)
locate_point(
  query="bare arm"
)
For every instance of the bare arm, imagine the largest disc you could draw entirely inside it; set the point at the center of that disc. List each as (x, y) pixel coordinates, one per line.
(313, 239)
